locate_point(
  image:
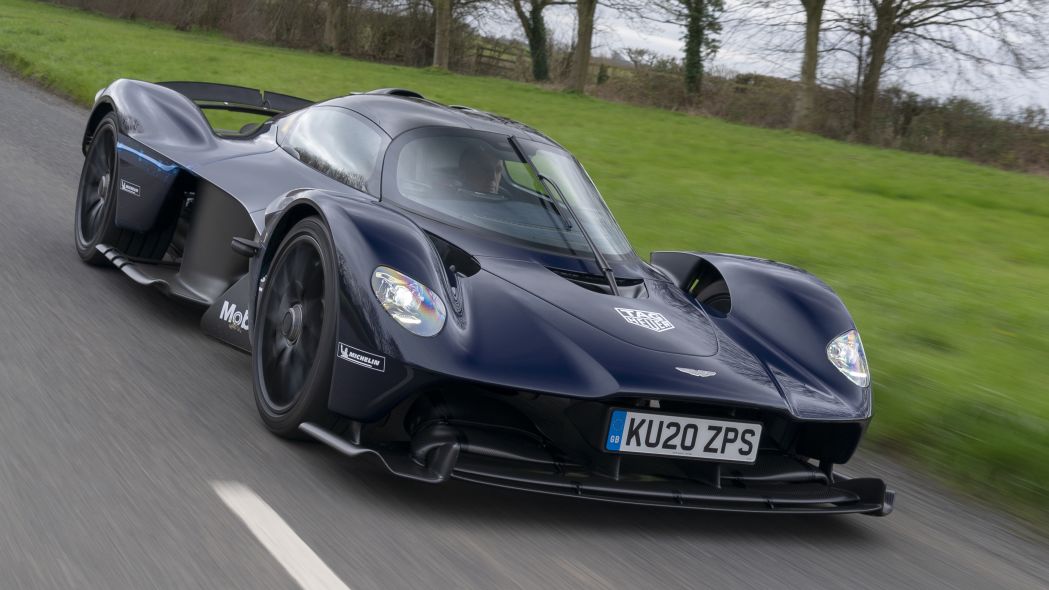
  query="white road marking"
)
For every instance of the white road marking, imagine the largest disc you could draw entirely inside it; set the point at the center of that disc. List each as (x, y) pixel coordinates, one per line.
(278, 538)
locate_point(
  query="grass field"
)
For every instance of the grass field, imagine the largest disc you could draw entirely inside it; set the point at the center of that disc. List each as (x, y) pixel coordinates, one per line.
(944, 264)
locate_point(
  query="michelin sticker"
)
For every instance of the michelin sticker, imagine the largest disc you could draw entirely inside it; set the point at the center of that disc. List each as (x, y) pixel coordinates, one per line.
(376, 362)
(130, 187)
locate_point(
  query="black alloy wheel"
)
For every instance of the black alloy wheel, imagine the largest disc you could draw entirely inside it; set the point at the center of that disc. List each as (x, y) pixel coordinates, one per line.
(95, 204)
(293, 335)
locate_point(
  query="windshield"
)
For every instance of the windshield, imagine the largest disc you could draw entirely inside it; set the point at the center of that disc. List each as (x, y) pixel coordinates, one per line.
(475, 180)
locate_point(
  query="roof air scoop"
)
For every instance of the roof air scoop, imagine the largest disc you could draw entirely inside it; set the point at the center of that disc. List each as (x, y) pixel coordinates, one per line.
(403, 92)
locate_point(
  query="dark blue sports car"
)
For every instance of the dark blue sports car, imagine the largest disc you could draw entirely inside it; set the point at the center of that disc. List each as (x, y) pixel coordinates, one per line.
(444, 289)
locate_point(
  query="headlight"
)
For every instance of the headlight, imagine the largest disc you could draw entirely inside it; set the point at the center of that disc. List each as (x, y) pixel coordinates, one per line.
(846, 353)
(408, 301)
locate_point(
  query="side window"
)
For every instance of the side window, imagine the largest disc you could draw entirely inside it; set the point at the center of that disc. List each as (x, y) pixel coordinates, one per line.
(334, 141)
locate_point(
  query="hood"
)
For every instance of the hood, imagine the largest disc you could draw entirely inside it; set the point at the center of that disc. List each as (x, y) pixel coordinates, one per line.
(661, 318)
(516, 324)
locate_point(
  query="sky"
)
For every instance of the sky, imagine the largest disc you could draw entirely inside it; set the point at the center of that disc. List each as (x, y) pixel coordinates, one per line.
(1005, 90)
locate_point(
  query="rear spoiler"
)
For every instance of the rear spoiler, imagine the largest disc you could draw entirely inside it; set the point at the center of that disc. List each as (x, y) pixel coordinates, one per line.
(208, 95)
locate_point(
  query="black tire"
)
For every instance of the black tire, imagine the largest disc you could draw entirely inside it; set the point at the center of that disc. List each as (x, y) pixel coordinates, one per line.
(716, 297)
(95, 216)
(293, 333)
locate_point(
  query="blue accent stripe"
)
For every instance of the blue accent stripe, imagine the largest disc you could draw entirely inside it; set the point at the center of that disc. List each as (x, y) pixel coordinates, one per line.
(165, 168)
(616, 427)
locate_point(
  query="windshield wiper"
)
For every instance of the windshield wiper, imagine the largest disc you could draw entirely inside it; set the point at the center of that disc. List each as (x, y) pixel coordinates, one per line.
(547, 182)
(555, 206)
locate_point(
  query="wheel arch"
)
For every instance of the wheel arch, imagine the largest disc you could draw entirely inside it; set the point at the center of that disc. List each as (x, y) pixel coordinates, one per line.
(156, 116)
(364, 236)
(288, 218)
(103, 108)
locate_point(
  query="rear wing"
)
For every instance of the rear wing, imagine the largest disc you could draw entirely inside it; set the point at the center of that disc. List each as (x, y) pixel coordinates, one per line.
(208, 95)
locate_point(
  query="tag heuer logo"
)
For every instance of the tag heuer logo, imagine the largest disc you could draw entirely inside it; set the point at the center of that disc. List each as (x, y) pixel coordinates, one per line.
(646, 319)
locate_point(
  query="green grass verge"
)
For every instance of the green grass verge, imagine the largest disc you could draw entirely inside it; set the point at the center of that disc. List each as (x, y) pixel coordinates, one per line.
(944, 264)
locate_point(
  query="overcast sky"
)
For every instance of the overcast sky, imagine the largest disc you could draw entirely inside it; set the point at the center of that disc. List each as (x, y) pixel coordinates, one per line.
(1002, 88)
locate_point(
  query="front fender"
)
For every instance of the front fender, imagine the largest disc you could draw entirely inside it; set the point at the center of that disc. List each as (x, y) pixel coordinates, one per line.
(785, 317)
(495, 332)
(365, 235)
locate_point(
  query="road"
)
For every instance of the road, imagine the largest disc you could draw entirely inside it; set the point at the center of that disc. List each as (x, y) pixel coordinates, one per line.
(120, 418)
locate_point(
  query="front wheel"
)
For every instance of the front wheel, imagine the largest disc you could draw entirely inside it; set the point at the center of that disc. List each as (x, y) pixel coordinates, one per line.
(293, 336)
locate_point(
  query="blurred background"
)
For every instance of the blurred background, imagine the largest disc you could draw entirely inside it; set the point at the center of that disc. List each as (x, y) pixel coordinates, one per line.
(898, 149)
(965, 79)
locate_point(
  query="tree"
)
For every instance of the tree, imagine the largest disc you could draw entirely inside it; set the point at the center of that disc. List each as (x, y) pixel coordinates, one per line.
(768, 20)
(444, 15)
(333, 20)
(701, 21)
(442, 37)
(585, 10)
(805, 106)
(1008, 33)
(530, 13)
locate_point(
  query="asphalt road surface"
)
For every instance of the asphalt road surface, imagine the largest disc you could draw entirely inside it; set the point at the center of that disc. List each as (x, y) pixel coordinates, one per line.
(131, 456)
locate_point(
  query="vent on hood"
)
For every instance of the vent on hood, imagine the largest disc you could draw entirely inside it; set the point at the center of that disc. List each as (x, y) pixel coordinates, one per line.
(456, 260)
(634, 288)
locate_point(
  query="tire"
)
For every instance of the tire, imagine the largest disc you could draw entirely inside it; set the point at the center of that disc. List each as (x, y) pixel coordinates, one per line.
(96, 210)
(716, 296)
(293, 333)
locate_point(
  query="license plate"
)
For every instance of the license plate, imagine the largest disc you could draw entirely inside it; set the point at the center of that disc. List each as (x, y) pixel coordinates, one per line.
(682, 436)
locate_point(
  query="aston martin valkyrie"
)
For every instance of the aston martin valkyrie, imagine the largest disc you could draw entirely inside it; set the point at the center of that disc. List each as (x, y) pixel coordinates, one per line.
(443, 289)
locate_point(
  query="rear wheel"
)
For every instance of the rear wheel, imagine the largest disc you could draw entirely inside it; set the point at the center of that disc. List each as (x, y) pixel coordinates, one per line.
(96, 202)
(96, 196)
(293, 336)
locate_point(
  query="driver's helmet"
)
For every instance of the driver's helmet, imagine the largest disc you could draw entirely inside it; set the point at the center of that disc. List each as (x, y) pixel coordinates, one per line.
(480, 169)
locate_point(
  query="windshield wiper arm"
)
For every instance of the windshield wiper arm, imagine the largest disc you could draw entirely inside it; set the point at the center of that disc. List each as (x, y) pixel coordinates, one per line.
(547, 182)
(556, 207)
(602, 262)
